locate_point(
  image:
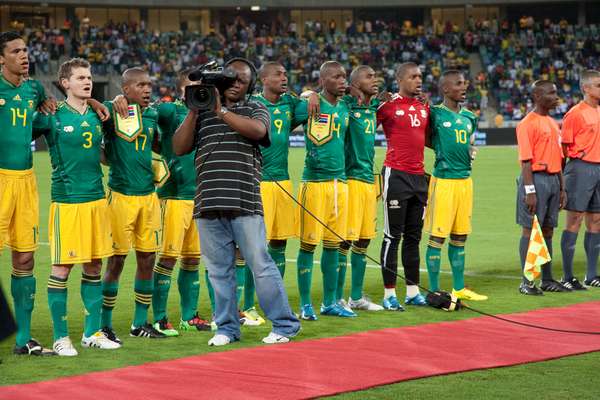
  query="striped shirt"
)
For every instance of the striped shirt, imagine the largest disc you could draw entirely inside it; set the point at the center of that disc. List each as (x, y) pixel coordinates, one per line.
(229, 165)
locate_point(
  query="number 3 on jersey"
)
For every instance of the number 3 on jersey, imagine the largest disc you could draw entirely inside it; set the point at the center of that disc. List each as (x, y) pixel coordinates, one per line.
(88, 139)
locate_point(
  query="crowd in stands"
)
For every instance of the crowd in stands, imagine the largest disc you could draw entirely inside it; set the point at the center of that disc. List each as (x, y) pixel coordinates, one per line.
(535, 50)
(512, 55)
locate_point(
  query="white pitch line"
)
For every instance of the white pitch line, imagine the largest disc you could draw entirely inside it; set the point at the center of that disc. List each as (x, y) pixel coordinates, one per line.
(475, 274)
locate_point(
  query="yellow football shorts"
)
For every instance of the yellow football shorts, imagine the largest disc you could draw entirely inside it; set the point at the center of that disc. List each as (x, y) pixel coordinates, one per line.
(280, 210)
(449, 207)
(179, 233)
(79, 232)
(19, 210)
(362, 210)
(135, 222)
(328, 201)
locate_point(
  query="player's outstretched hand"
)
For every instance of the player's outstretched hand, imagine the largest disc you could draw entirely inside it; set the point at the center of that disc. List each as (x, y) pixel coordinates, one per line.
(385, 96)
(120, 105)
(314, 105)
(423, 98)
(531, 202)
(563, 199)
(48, 106)
(100, 109)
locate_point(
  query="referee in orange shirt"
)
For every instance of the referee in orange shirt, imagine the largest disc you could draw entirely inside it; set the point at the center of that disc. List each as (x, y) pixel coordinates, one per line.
(581, 143)
(540, 187)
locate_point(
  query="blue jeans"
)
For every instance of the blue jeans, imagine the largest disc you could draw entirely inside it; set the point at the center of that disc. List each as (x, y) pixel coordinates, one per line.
(218, 239)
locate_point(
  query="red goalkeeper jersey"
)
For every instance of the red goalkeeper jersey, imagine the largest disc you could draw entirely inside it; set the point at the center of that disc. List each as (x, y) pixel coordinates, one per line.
(404, 121)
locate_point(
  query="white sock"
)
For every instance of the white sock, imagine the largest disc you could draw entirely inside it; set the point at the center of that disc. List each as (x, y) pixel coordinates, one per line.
(389, 292)
(412, 290)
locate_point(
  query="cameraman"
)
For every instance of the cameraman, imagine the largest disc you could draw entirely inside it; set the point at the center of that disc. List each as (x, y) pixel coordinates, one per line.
(228, 208)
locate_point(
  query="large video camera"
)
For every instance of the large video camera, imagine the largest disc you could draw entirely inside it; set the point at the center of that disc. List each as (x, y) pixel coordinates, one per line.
(201, 96)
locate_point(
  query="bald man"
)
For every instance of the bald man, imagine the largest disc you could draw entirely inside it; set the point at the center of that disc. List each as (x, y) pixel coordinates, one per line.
(541, 190)
(450, 199)
(133, 206)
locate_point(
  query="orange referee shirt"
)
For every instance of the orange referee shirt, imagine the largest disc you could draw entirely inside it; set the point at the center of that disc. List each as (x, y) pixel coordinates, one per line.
(581, 132)
(538, 138)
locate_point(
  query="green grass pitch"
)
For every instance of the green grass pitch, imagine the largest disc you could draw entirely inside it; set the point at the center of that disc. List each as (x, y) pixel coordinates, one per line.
(492, 268)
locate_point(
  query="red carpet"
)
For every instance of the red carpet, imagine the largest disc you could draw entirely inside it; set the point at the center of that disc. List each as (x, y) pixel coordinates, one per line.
(327, 366)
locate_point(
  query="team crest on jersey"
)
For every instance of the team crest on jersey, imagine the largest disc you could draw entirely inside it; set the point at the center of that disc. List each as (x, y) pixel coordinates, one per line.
(30, 102)
(469, 126)
(399, 112)
(423, 114)
(277, 111)
(447, 124)
(2, 102)
(68, 129)
(17, 97)
(357, 115)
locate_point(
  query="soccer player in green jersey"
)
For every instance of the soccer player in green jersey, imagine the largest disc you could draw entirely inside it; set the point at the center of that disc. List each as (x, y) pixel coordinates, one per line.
(179, 232)
(133, 206)
(279, 207)
(19, 204)
(323, 191)
(450, 201)
(362, 191)
(78, 233)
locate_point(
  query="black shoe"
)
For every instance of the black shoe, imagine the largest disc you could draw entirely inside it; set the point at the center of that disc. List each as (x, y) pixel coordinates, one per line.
(530, 289)
(147, 331)
(553, 286)
(572, 284)
(593, 282)
(111, 335)
(33, 348)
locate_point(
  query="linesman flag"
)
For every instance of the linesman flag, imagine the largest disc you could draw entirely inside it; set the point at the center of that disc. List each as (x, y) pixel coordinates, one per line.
(537, 252)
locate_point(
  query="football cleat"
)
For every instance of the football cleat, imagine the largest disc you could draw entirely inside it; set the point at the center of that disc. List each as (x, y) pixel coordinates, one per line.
(165, 327)
(344, 304)
(416, 300)
(111, 335)
(308, 313)
(392, 304)
(247, 321)
(219, 340)
(553, 286)
(275, 338)
(213, 325)
(336, 310)
(364, 303)
(64, 347)
(33, 348)
(529, 289)
(593, 282)
(99, 341)
(252, 314)
(572, 284)
(196, 323)
(146, 331)
(467, 294)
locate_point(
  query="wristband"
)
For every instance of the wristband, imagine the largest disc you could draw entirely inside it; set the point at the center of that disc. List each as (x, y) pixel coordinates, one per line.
(529, 189)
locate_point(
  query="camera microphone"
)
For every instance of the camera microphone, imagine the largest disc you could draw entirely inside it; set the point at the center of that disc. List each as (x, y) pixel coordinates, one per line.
(198, 73)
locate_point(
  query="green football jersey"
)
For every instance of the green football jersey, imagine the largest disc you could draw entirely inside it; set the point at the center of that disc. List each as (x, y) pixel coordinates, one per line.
(131, 162)
(275, 157)
(450, 137)
(181, 184)
(74, 143)
(360, 142)
(17, 106)
(324, 138)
